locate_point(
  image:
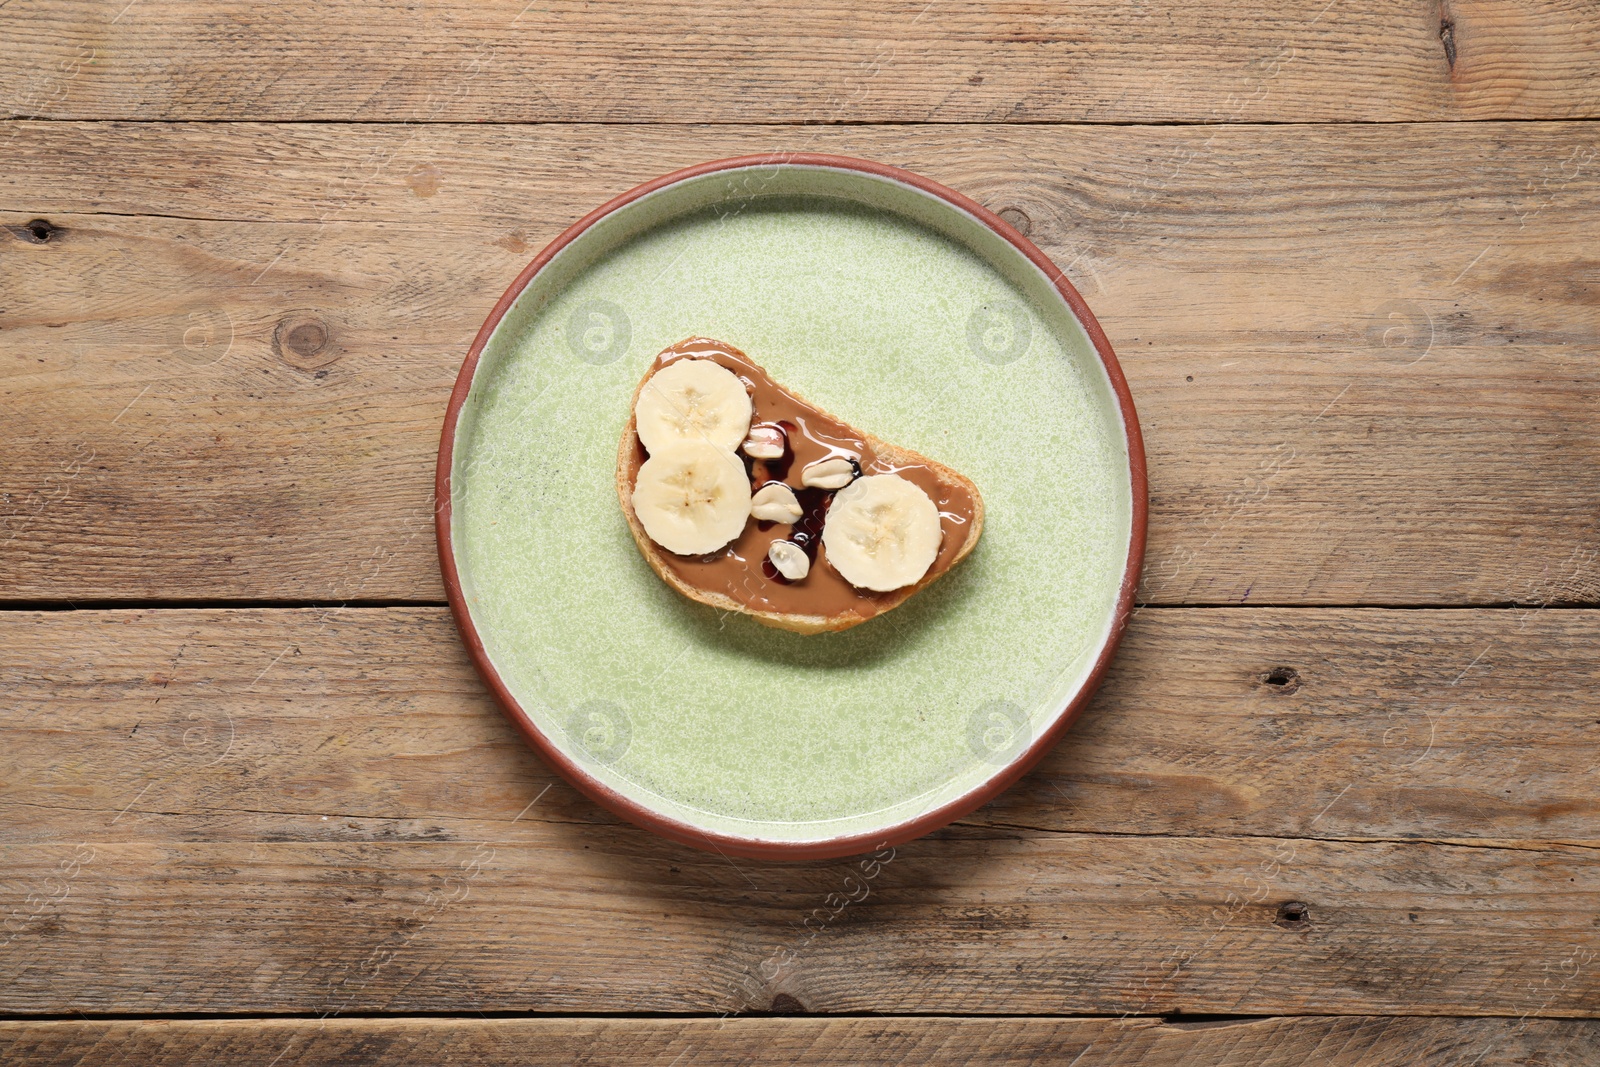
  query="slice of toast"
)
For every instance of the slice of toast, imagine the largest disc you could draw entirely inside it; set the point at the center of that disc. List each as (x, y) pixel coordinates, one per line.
(740, 583)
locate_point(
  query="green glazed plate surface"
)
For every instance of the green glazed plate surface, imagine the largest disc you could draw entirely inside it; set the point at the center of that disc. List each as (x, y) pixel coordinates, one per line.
(891, 309)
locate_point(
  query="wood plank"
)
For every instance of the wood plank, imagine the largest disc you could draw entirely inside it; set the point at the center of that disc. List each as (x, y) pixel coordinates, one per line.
(269, 725)
(828, 61)
(1138, 1042)
(303, 811)
(1390, 332)
(575, 919)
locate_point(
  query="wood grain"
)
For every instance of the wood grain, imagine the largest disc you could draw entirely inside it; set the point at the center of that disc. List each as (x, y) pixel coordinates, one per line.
(1365, 359)
(579, 919)
(1390, 333)
(827, 61)
(1137, 1042)
(274, 725)
(304, 811)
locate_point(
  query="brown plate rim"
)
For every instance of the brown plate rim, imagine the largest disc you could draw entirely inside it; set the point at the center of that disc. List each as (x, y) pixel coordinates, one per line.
(851, 844)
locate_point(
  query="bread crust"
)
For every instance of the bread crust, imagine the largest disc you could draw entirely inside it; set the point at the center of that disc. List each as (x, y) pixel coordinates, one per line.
(628, 464)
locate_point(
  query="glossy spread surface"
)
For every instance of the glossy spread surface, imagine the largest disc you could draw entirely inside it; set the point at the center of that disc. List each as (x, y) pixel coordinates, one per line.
(741, 570)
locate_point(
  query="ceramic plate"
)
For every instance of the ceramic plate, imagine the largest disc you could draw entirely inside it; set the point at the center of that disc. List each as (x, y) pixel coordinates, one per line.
(910, 312)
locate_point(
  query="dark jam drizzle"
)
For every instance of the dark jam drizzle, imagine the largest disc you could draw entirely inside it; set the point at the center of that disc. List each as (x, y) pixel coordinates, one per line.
(807, 533)
(764, 471)
(778, 469)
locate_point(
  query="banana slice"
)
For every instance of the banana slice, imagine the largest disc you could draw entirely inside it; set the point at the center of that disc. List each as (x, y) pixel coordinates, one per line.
(882, 532)
(692, 497)
(693, 400)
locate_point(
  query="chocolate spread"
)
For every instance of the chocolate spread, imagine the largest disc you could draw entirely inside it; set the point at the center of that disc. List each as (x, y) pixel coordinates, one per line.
(741, 570)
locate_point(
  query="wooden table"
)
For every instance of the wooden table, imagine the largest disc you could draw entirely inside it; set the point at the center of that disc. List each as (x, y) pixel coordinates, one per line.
(1338, 802)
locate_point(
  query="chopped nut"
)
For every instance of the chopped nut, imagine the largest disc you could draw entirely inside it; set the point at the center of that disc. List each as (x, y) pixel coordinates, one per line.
(790, 559)
(775, 502)
(835, 472)
(765, 442)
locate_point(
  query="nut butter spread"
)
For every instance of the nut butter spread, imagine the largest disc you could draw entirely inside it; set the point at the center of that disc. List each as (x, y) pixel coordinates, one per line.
(742, 569)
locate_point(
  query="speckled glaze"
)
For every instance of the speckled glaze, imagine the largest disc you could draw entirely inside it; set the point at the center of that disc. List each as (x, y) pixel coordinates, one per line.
(904, 310)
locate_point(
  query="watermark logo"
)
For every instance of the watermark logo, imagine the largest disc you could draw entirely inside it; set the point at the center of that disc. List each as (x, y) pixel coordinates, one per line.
(999, 332)
(598, 332)
(1402, 331)
(203, 336)
(45, 895)
(601, 729)
(998, 731)
(751, 989)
